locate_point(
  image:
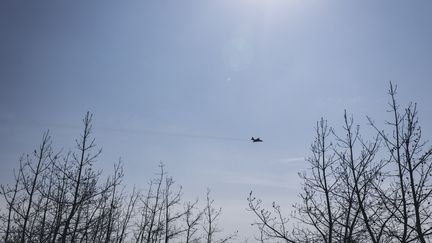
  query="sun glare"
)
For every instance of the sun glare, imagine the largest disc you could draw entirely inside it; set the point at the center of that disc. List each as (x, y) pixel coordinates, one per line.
(268, 8)
(268, 4)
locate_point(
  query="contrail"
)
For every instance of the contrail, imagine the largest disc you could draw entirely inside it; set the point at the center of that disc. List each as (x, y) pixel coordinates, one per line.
(127, 130)
(174, 134)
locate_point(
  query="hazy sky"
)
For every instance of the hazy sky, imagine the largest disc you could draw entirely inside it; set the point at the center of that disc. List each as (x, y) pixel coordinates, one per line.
(189, 82)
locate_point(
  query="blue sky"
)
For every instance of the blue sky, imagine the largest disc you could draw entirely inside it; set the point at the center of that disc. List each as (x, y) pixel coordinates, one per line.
(167, 79)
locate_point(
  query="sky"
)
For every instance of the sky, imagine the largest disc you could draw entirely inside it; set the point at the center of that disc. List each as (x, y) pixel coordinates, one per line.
(189, 82)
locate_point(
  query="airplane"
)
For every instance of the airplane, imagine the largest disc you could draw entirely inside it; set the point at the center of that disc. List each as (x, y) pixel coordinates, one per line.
(256, 140)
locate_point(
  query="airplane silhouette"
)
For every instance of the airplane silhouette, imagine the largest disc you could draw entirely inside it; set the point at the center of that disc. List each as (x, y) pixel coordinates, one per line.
(256, 140)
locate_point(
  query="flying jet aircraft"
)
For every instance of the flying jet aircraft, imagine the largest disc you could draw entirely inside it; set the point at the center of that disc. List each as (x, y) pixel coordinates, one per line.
(256, 140)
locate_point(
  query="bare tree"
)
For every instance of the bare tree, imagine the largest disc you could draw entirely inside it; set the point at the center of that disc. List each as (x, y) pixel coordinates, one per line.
(363, 171)
(360, 190)
(409, 194)
(172, 199)
(30, 181)
(271, 223)
(155, 207)
(210, 226)
(84, 178)
(317, 209)
(60, 197)
(114, 203)
(10, 194)
(128, 214)
(192, 221)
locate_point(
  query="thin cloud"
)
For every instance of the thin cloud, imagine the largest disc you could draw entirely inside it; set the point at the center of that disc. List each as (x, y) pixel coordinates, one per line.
(291, 160)
(285, 182)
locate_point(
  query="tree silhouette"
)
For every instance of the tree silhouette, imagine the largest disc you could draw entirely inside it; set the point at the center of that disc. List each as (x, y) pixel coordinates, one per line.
(60, 197)
(358, 189)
